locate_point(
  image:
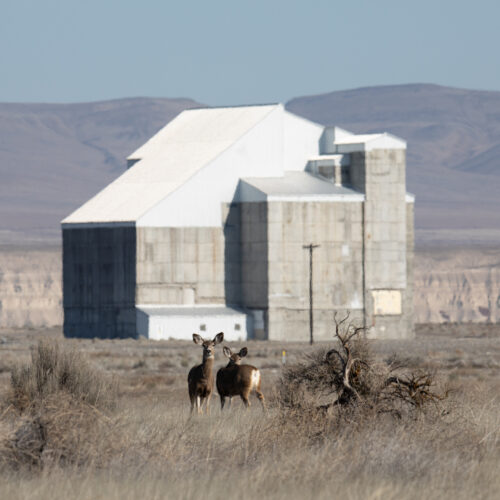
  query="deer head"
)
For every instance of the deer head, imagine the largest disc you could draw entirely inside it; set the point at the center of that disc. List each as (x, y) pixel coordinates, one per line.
(208, 345)
(235, 357)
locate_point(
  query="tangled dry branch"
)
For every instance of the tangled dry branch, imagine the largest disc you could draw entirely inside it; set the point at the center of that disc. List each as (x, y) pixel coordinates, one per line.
(348, 374)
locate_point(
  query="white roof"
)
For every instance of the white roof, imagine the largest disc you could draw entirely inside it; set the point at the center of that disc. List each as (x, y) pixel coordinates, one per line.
(334, 159)
(295, 186)
(357, 139)
(168, 160)
(368, 142)
(178, 310)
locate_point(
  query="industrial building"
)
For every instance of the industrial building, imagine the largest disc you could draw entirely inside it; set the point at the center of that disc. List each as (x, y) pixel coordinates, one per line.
(207, 229)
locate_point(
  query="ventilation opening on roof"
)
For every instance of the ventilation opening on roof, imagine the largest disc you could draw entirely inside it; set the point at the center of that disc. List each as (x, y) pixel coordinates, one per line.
(333, 168)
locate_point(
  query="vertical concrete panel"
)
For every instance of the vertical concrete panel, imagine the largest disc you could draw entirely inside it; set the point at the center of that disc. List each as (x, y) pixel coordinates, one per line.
(99, 268)
(254, 255)
(182, 266)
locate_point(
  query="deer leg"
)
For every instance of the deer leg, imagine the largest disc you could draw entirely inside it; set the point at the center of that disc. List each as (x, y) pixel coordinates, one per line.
(244, 398)
(207, 405)
(261, 399)
(198, 405)
(222, 402)
(192, 399)
(260, 396)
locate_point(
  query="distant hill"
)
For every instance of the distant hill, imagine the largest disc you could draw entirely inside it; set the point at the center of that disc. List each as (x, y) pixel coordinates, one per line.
(453, 145)
(53, 157)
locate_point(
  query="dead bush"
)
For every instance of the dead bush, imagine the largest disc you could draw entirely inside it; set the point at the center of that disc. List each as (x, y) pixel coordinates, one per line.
(53, 370)
(346, 381)
(59, 404)
(62, 431)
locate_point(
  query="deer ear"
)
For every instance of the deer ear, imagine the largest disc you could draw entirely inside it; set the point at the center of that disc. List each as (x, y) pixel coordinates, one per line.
(243, 352)
(218, 338)
(197, 339)
(227, 352)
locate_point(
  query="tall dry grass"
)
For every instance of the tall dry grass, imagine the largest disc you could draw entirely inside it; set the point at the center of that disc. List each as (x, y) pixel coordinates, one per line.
(160, 453)
(57, 405)
(54, 370)
(154, 450)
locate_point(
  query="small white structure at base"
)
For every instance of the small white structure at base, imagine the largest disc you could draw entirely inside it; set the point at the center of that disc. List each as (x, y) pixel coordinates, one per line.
(163, 322)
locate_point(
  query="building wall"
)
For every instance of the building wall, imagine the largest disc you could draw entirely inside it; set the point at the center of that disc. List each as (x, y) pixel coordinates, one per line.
(381, 175)
(276, 266)
(182, 325)
(197, 203)
(191, 265)
(181, 266)
(99, 282)
(279, 143)
(410, 264)
(254, 258)
(301, 141)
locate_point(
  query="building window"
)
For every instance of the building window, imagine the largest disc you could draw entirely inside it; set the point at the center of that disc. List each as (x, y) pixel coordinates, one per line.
(203, 327)
(237, 327)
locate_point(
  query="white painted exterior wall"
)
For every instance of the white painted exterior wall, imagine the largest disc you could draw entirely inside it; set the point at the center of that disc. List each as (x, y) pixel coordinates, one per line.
(301, 141)
(158, 326)
(280, 142)
(197, 203)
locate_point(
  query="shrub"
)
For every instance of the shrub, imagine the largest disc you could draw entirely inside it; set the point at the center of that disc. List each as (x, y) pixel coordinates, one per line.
(347, 379)
(61, 402)
(54, 369)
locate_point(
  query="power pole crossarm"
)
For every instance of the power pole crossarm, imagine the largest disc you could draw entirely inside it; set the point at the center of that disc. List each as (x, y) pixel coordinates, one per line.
(310, 247)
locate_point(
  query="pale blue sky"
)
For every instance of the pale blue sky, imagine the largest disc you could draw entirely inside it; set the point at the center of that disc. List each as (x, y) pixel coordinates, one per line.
(230, 52)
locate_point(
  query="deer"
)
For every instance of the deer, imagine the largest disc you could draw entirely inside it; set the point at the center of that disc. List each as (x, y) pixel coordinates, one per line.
(200, 377)
(236, 379)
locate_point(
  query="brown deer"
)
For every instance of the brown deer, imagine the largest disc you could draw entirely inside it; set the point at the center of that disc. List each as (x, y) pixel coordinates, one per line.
(200, 377)
(236, 379)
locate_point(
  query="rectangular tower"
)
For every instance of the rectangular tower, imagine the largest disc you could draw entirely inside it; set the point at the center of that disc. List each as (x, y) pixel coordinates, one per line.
(387, 240)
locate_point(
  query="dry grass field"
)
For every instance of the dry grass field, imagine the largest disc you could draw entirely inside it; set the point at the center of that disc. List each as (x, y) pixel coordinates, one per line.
(137, 440)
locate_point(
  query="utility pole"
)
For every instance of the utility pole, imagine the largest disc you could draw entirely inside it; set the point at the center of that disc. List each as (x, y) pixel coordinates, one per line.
(310, 247)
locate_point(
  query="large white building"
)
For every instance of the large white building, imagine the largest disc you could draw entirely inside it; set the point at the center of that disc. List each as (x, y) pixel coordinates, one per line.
(206, 229)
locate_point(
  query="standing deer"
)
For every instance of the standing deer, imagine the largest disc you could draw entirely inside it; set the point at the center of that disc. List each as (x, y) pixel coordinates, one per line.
(200, 377)
(236, 379)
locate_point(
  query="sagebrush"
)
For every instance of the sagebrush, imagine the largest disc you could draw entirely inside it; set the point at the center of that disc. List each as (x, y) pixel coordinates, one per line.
(60, 400)
(346, 379)
(54, 369)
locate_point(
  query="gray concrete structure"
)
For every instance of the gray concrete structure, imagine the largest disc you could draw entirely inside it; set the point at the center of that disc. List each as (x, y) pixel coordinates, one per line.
(99, 282)
(158, 253)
